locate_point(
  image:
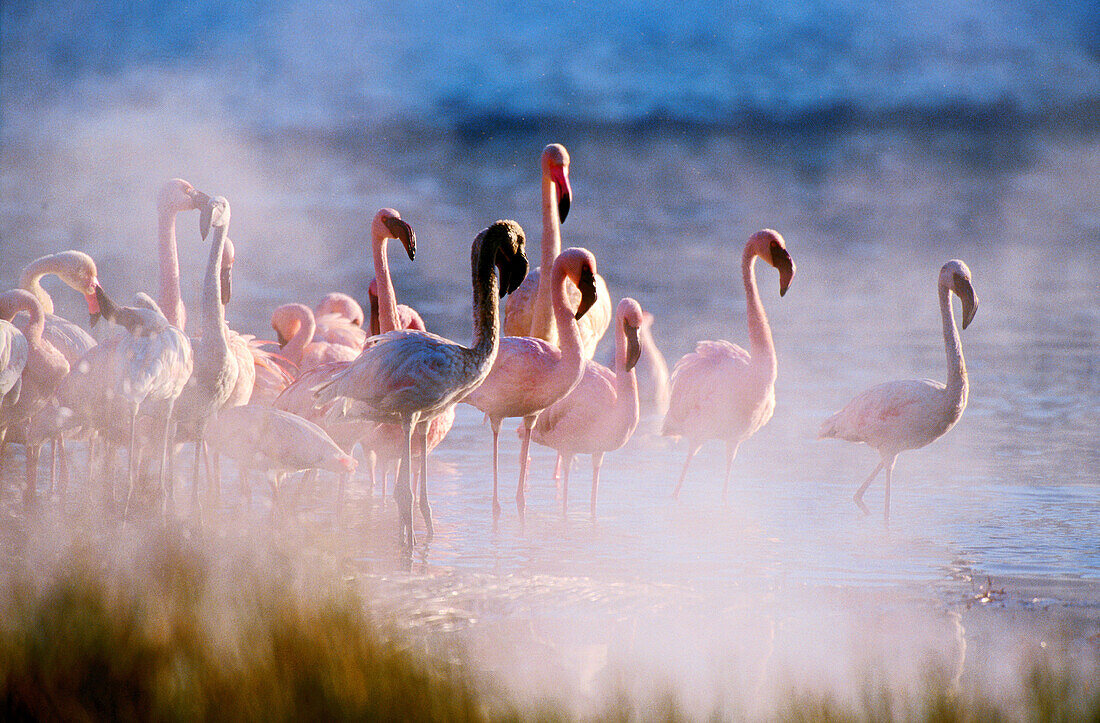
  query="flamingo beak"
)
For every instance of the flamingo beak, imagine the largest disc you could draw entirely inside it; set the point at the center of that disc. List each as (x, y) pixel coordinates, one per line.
(403, 233)
(93, 303)
(560, 177)
(965, 292)
(633, 348)
(198, 198)
(205, 217)
(104, 307)
(587, 285)
(782, 261)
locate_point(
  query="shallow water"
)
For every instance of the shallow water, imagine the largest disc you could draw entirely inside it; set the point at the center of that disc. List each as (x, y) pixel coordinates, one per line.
(790, 580)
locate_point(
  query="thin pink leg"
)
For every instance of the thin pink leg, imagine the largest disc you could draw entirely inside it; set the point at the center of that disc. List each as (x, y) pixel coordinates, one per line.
(597, 462)
(693, 447)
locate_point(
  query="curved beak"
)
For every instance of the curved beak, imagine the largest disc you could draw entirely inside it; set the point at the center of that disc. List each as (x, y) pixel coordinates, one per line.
(633, 348)
(560, 177)
(403, 233)
(782, 261)
(587, 285)
(279, 335)
(513, 269)
(104, 307)
(205, 216)
(226, 284)
(965, 292)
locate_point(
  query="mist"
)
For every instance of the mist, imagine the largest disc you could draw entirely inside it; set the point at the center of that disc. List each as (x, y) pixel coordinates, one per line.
(878, 161)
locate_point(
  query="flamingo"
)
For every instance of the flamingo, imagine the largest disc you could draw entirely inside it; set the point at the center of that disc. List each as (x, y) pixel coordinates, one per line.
(895, 416)
(13, 359)
(151, 362)
(530, 374)
(215, 367)
(721, 391)
(408, 376)
(340, 320)
(43, 371)
(277, 442)
(175, 196)
(529, 312)
(601, 412)
(407, 317)
(654, 390)
(294, 324)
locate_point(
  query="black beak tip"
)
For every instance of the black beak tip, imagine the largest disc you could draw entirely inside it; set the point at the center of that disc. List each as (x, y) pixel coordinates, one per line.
(93, 319)
(563, 208)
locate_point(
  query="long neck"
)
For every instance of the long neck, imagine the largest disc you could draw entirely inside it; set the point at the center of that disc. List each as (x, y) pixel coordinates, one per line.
(387, 298)
(170, 299)
(543, 318)
(213, 313)
(957, 383)
(626, 384)
(486, 292)
(31, 279)
(36, 323)
(307, 327)
(761, 347)
(569, 338)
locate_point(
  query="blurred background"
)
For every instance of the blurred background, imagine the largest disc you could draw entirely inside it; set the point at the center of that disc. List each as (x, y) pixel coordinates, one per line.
(880, 139)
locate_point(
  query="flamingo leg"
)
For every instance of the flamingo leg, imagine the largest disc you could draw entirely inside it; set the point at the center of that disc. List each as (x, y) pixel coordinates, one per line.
(372, 461)
(425, 508)
(693, 447)
(525, 448)
(132, 461)
(597, 462)
(495, 423)
(402, 491)
(858, 496)
(63, 479)
(53, 466)
(165, 459)
(557, 470)
(214, 488)
(30, 494)
(889, 475)
(731, 453)
(566, 466)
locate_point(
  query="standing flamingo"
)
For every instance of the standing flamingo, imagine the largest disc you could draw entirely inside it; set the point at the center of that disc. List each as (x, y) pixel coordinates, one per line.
(152, 362)
(409, 376)
(215, 367)
(43, 371)
(13, 358)
(653, 388)
(340, 320)
(529, 312)
(530, 374)
(407, 317)
(895, 416)
(721, 391)
(294, 326)
(78, 270)
(601, 412)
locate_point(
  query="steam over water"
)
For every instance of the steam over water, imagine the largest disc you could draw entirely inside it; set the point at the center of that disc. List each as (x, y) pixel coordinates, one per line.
(879, 142)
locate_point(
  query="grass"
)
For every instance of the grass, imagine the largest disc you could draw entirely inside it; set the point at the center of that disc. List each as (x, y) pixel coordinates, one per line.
(167, 637)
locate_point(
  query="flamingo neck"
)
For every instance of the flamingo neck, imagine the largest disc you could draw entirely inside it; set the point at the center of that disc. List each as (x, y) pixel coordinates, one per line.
(307, 327)
(569, 338)
(486, 292)
(387, 298)
(213, 313)
(31, 279)
(626, 383)
(170, 300)
(761, 346)
(543, 317)
(36, 321)
(957, 382)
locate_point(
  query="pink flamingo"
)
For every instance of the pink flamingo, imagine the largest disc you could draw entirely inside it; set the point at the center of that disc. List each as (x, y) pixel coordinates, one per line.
(175, 196)
(407, 317)
(340, 320)
(42, 372)
(530, 374)
(895, 416)
(78, 271)
(13, 358)
(277, 442)
(295, 326)
(654, 390)
(601, 412)
(721, 391)
(152, 362)
(406, 377)
(529, 312)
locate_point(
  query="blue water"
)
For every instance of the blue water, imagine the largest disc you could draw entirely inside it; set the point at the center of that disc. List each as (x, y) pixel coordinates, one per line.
(342, 65)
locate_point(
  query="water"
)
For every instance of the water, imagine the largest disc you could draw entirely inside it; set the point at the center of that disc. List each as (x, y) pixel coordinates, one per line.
(874, 178)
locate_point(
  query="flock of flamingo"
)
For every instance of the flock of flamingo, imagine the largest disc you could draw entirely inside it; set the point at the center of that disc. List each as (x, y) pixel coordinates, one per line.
(152, 384)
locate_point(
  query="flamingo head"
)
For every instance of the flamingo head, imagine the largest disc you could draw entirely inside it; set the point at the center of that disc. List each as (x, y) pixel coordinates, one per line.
(504, 242)
(227, 271)
(286, 320)
(215, 213)
(955, 276)
(630, 315)
(341, 305)
(555, 166)
(179, 195)
(389, 224)
(579, 265)
(770, 246)
(78, 270)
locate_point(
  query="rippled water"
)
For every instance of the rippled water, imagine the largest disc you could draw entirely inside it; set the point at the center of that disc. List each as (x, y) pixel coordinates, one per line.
(693, 591)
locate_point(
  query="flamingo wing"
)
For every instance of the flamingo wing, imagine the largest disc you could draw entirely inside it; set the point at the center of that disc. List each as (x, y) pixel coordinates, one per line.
(894, 414)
